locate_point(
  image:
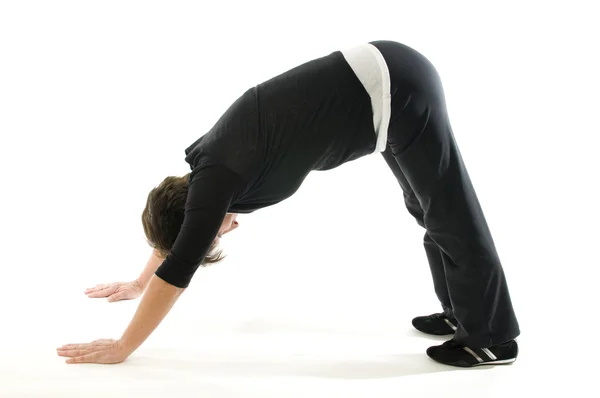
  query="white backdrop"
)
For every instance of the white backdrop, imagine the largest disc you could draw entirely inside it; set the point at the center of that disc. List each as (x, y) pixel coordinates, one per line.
(98, 101)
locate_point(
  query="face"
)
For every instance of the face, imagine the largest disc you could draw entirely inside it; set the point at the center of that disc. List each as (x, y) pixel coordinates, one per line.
(229, 224)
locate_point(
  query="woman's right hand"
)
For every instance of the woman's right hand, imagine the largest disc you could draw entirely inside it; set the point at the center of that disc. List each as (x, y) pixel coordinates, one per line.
(116, 291)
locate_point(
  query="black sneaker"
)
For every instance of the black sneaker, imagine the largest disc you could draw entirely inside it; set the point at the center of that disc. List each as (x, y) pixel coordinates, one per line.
(456, 354)
(436, 324)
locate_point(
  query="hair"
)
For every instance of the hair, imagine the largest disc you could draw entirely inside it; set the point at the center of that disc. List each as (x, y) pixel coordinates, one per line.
(163, 216)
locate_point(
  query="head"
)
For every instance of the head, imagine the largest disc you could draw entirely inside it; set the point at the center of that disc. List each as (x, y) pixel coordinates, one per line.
(163, 216)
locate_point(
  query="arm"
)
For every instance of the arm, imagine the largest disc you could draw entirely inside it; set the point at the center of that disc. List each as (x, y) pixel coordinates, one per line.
(152, 265)
(154, 306)
(211, 192)
(209, 198)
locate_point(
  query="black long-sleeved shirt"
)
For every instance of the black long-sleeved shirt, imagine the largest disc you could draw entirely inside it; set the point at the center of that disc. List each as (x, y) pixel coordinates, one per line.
(316, 116)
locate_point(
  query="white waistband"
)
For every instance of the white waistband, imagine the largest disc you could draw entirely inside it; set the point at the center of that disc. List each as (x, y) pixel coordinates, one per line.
(371, 69)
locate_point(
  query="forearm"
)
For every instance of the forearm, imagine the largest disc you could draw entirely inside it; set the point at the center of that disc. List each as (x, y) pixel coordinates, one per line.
(154, 306)
(151, 266)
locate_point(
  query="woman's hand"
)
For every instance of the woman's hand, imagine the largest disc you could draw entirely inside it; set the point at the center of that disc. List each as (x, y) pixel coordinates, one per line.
(155, 305)
(106, 351)
(116, 291)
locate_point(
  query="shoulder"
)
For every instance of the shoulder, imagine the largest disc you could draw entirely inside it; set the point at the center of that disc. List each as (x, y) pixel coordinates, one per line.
(216, 180)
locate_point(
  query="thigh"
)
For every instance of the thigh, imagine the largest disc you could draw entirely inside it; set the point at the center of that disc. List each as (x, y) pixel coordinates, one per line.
(411, 112)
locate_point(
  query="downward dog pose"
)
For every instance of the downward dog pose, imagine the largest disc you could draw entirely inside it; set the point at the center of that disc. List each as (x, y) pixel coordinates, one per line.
(377, 98)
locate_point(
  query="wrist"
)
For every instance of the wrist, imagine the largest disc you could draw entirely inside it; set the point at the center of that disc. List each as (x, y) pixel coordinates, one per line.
(141, 283)
(125, 347)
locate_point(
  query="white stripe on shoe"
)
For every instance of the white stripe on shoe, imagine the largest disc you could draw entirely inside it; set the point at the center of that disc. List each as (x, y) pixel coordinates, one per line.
(470, 351)
(499, 362)
(450, 324)
(494, 359)
(489, 354)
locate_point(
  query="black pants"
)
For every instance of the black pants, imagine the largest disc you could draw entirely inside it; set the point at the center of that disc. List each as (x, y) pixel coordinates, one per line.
(422, 153)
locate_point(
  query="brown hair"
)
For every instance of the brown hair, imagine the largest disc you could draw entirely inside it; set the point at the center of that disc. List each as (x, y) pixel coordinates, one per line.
(163, 216)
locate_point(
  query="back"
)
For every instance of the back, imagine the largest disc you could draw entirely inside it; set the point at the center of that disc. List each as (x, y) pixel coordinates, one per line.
(316, 116)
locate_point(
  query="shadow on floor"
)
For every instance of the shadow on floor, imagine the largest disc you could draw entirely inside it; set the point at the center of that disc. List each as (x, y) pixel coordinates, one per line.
(436, 339)
(259, 326)
(370, 368)
(355, 367)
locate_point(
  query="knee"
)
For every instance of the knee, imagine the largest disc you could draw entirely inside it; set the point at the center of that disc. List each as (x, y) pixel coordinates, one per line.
(414, 208)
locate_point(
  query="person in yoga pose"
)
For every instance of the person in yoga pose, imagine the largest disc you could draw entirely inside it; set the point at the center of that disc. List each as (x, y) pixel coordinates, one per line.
(380, 97)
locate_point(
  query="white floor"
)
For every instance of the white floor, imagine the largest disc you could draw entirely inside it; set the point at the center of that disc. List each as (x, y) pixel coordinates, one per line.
(261, 358)
(192, 355)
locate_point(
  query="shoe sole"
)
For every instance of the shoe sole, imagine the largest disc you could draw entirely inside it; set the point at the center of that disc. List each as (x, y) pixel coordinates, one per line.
(500, 362)
(490, 363)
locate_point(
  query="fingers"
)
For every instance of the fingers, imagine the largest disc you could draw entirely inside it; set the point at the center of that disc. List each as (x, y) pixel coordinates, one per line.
(85, 353)
(104, 351)
(78, 350)
(96, 288)
(87, 358)
(73, 346)
(87, 346)
(102, 290)
(73, 352)
(101, 293)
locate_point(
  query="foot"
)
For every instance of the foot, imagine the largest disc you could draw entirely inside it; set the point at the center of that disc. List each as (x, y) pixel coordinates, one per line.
(456, 354)
(436, 324)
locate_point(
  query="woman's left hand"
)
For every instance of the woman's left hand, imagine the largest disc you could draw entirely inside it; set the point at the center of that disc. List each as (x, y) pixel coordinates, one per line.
(105, 351)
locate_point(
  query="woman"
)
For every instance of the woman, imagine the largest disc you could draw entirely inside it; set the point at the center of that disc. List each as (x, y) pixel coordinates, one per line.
(380, 97)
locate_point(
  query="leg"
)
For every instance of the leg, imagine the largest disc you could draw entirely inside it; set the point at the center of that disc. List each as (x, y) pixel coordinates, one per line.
(423, 145)
(452, 215)
(434, 255)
